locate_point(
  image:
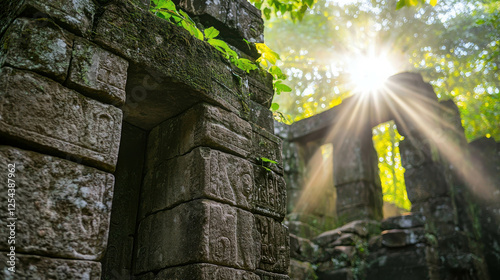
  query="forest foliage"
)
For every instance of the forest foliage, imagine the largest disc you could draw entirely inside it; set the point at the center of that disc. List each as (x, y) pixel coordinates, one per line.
(454, 44)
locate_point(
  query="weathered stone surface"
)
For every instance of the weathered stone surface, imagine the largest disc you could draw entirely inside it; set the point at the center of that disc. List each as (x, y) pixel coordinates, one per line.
(37, 45)
(410, 220)
(117, 262)
(202, 173)
(76, 16)
(356, 194)
(260, 87)
(301, 271)
(171, 53)
(239, 16)
(354, 160)
(264, 275)
(416, 152)
(266, 144)
(402, 237)
(204, 231)
(269, 194)
(439, 210)
(37, 267)
(303, 249)
(302, 229)
(411, 262)
(98, 73)
(201, 271)
(362, 228)
(202, 125)
(8, 13)
(338, 255)
(346, 239)
(274, 244)
(340, 274)
(63, 208)
(41, 113)
(261, 116)
(358, 213)
(425, 182)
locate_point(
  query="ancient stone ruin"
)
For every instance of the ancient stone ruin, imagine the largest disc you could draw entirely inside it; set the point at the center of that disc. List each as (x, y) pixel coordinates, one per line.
(453, 230)
(135, 152)
(136, 146)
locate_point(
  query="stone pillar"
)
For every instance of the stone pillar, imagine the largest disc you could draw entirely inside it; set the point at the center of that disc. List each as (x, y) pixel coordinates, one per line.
(432, 152)
(356, 178)
(60, 126)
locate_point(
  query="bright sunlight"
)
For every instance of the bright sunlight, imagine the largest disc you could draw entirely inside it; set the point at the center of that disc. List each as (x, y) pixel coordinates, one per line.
(368, 73)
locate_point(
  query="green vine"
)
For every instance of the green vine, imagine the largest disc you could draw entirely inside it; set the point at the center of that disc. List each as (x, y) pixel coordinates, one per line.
(167, 10)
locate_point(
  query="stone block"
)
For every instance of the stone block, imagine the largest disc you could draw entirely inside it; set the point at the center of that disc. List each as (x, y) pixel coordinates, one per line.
(202, 125)
(197, 231)
(269, 193)
(202, 173)
(339, 274)
(274, 244)
(425, 182)
(265, 275)
(266, 144)
(98, 73)
(76, 16)
(338, 255)
(239, 16)
(358, 213)
(355, 159)
(37, 45)
(358, 194)
(346, 239)
(192, 68)
(410, 262)
(416, 152)
(301, 271)
(260, 87)
(202, 271)
(62, 209)
(303, 249)
(363, 228)
(301, 229)
(411, 220)
(38, 267)
(261, 116)
(41, 113)
(403, 237)
(438, 210)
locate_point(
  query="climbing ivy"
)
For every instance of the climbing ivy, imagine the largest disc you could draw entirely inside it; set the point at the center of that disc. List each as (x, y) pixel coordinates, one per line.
(167, 10)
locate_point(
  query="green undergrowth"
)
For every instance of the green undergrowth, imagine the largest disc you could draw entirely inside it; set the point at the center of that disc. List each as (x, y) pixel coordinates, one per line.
(167, 10)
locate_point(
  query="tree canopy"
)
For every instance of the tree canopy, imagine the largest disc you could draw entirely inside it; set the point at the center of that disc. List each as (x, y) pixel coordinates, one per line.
(454, 44)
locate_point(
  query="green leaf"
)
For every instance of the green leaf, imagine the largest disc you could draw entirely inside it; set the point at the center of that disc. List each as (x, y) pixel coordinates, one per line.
(166, 4)
(400, 4)
(275, 106)
(218, 43)
(277, 73)
(267, 13)
(211, 33)
(280, 87)
(263, 159)
(246, 65)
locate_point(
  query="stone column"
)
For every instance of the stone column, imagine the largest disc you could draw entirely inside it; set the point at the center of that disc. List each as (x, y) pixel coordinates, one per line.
(356, 178)
(433, 144)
